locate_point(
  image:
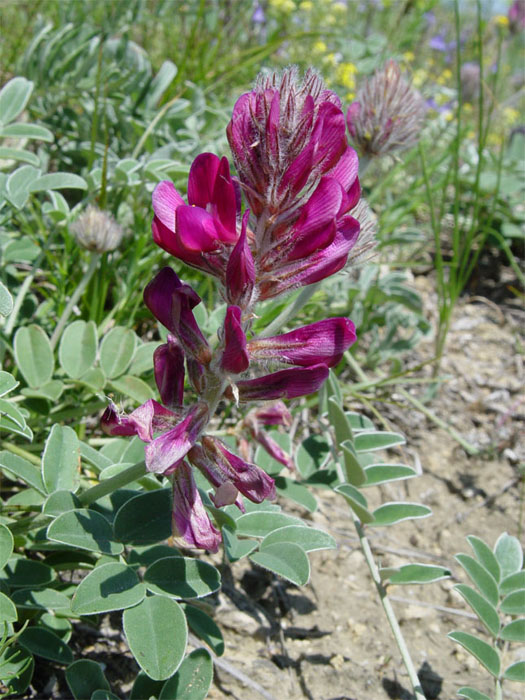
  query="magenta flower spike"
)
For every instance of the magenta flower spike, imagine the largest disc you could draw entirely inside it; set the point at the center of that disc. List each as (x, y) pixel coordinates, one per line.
(171, 302)
(235, 357)
(191, 522)
(240, 272)
(168, 365)
(286, 384)
(226, 493)
(166, 450)
(320, 342)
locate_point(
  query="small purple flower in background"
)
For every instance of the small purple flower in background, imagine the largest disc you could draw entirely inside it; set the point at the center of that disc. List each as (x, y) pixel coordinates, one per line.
(517, 16)
(387, 115)
(302, 223)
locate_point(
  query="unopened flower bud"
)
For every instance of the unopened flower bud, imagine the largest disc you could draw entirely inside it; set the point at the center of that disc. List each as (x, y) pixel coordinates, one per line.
(97, 231)
(387, 115)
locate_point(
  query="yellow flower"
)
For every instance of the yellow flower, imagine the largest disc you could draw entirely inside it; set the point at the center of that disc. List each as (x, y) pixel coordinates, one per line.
(331, 59)
(408, 56)
(345, 74)
(319, 47)
(285, 6)
(306, 5)
(467, 108)
(510, 115)
(444, 77)
(419, 77)
(501, 20)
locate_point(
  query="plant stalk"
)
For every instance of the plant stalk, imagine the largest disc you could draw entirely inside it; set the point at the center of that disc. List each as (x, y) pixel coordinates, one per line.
(389, 611)
(107, 486)
(291, 310)
(74, 299)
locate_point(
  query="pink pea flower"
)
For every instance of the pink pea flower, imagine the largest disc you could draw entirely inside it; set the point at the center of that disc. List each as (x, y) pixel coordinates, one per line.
(285, 384)
(190, 519)
(235, 357)
(271, 414)
(321, 342)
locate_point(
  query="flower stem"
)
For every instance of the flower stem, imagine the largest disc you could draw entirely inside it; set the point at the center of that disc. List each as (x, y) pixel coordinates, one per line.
(112, 484)
(389, 611)
(74, 298)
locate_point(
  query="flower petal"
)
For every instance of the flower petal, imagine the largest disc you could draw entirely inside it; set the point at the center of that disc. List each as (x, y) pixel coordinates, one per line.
(240, 272)
(166, 200)
(190, 519)
(234, 357)
(286, 384)
(321, 342)
(168, 364)
(143, 421)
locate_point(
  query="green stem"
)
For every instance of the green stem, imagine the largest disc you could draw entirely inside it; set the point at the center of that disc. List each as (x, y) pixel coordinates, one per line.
(112, 484)
(499, 691)
(153, 124)
(389, 611)
(74, 298)
(470, 449)
(291, 310)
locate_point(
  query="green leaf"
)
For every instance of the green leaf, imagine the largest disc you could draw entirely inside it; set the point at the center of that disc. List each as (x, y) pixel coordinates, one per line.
(20, 468)
(6, 545)
(308, 538)
(512, 582)
(61, 460)
(135, 388)
(50, 390)
(204, 627)
(311, 455)
(58, 181)
(46, 644)
(485, 556)
(6, 301)
(284, 559)
(7, 383)
(259, 524)
(20, 572)
(514, 603)
(236, 548)
(13, 98)
(514, 631)
(59, 625)
(182, 577)
(108, 587)
(143, 358)
(157, 635)
(144, 519)
(84, 677)
(145, 687)
(193, 679)
(377, 440)
(21, 130)
(7, 424)
(16, 668)
(78, 348)
(486, 612)
(339, 422)
(480, 577)
(34, 355)
(472, 694)
(145, 556)
(483, 652)
(418, 573)
(19, 154)
(289, 488)
(509, 554)
(383, 473)
(391, 513)
(116, 351)
(515, 672)
(353, 470)
(17, 185)
(84, 529)
(41, 599)
(7, 611)
(12, 412)
(356, 501)
(94, 378)
(60, 502)
(358, 422)
(104, 695)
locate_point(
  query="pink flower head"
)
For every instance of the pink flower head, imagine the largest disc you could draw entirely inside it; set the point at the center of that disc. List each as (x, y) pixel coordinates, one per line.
(190, 519)
(171, 302)
(168, 365)
(240, 271)
(197, 232)
(517, 16)
(387, 115)
(321, 342)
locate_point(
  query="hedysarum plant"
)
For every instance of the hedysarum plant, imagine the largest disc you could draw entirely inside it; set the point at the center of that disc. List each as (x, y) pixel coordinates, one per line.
(387, 115)
(299, 179)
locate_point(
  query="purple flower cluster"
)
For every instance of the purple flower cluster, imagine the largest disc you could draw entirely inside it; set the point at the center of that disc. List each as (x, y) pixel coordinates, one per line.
(299, 179)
